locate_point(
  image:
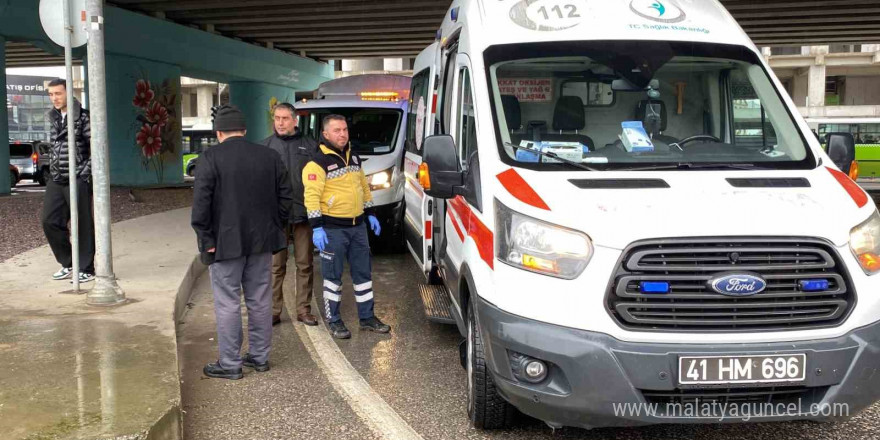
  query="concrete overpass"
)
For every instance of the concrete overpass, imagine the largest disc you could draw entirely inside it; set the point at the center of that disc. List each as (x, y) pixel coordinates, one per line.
(350, 29)
(336, 29)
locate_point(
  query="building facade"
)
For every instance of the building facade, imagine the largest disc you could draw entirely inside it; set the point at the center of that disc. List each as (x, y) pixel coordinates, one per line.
(836, 88)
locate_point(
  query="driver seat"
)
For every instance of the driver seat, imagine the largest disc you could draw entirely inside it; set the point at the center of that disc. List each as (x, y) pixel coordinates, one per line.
(569, 115)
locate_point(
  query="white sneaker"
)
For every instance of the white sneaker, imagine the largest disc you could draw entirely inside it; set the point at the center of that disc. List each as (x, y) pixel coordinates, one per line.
(85, 278)
(62, 274)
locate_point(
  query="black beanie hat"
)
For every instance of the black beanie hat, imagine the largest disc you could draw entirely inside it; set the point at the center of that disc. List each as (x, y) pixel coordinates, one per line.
(228, 118)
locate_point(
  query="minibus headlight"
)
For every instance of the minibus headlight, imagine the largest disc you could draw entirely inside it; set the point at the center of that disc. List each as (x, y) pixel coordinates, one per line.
(864, 240)
(380, 180)
(538, 246)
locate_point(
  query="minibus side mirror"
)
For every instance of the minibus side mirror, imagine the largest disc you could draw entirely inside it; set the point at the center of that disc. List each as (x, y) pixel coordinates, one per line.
(43, 148)
(841, 149)
(444, 174)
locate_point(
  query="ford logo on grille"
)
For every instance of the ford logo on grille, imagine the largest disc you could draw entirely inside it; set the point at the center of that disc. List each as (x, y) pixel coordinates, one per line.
(738, 284)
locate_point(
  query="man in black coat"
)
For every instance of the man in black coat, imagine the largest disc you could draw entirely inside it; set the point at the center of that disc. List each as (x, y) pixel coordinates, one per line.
(296, 151)
(241, 202)
(56, 203)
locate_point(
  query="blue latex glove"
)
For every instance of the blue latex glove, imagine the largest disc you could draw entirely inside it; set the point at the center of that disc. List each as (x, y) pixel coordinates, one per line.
(374, 224)
(319, 238)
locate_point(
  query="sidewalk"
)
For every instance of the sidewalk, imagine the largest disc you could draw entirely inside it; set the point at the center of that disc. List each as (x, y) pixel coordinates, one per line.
(75, 371)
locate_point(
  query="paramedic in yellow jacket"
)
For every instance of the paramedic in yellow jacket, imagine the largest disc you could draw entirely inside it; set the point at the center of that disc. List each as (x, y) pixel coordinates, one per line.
(338, 199)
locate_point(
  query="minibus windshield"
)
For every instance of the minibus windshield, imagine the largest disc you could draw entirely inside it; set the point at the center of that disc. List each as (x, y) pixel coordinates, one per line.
(639, 105)
(372, 131)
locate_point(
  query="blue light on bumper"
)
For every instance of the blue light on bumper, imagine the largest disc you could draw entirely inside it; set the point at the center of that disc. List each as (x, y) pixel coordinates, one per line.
(814, 285)
(654, 287)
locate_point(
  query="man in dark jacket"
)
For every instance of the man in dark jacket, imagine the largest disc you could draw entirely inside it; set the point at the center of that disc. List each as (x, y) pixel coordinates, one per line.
(296, 151)
(241, 200)
(56, 204)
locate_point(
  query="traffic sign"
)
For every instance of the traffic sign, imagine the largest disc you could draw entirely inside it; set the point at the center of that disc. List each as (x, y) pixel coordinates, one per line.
(52, 19)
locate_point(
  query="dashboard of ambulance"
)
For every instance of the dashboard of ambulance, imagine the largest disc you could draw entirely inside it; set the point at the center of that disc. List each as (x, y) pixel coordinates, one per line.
(641, 106)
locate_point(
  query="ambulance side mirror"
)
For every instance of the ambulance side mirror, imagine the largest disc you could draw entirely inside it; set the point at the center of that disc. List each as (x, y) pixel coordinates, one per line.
(841, 149)
(444, 175)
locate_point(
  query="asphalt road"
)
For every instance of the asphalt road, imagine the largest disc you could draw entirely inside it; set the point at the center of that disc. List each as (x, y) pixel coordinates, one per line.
(415, 370)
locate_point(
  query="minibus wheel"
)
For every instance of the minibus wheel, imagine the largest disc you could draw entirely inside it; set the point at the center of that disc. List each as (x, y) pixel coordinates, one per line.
(486, 408)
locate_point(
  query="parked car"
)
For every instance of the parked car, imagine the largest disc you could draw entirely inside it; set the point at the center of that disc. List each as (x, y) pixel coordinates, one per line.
(13, 176)
(31, 158)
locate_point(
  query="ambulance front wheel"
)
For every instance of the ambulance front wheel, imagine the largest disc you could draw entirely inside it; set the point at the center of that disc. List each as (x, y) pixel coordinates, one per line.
(486, 408)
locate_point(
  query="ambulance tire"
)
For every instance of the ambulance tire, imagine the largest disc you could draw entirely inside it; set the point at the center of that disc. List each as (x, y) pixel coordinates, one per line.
(486, 408)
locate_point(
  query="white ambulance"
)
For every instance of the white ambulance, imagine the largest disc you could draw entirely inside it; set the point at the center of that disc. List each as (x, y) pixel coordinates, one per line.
(375, 107)
(621, 210)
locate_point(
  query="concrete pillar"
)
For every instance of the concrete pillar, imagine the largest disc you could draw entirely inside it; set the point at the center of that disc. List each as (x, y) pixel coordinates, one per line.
(256, 101)
(205, 100)
(817, 77)
(186, 104)
(800, 87)
(128, 113)
(816, 86)
(5, 184)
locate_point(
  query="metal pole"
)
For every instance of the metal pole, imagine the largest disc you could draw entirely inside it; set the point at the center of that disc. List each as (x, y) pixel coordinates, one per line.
(106, 290)
(71, 144)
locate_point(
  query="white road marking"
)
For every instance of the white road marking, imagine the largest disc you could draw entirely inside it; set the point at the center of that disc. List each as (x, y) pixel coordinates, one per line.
(366, 403)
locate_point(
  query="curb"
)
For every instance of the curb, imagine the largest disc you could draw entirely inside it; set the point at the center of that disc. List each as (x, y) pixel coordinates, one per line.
(170, 426)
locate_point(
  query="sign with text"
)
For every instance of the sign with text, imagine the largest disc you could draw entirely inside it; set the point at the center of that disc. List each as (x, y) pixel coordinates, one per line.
(527, 89)
(27, 85)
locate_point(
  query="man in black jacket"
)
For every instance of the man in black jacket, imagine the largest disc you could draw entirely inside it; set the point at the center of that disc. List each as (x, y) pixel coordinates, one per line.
(296, 151)
(56, 204)
(241, 200)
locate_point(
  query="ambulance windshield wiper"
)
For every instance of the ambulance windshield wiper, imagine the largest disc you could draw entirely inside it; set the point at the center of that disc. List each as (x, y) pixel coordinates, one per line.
(698, 166)
(552, 156)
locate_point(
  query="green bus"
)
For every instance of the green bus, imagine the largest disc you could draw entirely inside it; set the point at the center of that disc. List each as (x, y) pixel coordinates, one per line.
(195, 141)
(865, 131)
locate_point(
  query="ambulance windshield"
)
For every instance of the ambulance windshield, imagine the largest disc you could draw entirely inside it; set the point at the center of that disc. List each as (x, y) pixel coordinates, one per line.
(640, 105)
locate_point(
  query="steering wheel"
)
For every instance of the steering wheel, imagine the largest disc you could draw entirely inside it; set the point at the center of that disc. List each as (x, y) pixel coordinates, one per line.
(699, 137)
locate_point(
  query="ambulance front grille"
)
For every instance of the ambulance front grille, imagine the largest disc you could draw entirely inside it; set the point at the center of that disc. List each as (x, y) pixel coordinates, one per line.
(692, 305)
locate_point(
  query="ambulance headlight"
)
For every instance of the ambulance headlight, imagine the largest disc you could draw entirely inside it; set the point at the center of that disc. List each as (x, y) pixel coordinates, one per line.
(380, 180)
(864, 240)
(538, 246)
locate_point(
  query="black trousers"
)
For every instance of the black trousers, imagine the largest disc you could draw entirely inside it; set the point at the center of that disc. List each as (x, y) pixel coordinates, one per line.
(56, 215)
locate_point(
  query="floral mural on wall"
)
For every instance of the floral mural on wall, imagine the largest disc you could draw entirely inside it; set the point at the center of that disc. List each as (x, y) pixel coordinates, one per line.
(157, 124)
(270, 115)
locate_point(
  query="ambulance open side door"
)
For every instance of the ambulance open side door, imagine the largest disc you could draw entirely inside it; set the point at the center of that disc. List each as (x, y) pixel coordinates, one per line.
(418, 216)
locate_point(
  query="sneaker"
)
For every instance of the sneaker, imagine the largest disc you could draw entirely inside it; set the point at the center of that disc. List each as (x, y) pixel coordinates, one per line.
(374, 325)
(216, 371)
(338, 330)
(248, 361)
(62, 274)
(85, 277)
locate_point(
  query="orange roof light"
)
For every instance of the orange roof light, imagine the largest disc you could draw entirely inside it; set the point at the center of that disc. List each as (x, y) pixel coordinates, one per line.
(380, 96)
